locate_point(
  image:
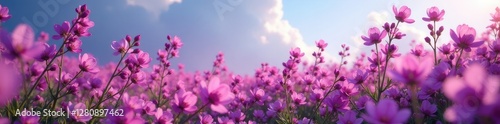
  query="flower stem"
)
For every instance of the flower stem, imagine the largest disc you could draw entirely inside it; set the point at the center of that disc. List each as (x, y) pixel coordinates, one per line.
(192, 115)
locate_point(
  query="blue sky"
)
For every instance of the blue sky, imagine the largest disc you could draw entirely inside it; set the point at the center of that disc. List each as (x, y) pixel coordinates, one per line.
(248, 31)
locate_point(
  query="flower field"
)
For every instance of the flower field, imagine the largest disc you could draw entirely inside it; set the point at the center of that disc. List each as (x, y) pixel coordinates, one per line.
(457, 82)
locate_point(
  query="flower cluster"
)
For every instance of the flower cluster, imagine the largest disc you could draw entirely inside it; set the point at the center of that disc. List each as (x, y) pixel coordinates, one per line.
(461, 85)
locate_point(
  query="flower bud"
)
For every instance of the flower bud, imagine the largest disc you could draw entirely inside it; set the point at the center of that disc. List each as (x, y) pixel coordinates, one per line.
(128, 38)
(427, 40)
(137, 38)
(342, 78)
(430, 27)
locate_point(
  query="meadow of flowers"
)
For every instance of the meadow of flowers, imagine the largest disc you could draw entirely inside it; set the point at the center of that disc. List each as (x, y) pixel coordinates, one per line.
(457, 82)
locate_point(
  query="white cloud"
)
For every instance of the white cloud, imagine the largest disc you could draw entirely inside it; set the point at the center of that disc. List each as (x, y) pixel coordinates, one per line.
(155, 7)
(275, 24)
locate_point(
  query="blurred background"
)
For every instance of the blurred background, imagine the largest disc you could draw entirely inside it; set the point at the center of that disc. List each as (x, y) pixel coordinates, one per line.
(248, 32)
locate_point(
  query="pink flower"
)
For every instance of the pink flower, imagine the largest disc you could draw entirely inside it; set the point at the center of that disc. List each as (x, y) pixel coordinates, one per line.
(4, 13)
(62, 30)
(495, 17)
(446, 48)
(79, 117)
(409, 70)
(9, 84)
(403, 14)
(140, 59)
(475, 89)
(374, 36)
(419, 51)
(21, 43)
(434, 14)
(162, 117)
(184, 102)
(296, 53)
(336, 102)
(216, 94)
(321, 44)
(206, 119)
(465, 38)
(349, 117)
(88, 63)
(298, 99)
(386, 112)
(48, 53)
(391, 50)
(428, 109)
(120, 47)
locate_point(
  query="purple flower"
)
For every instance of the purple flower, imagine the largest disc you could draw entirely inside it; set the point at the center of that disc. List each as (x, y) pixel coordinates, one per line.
(82, 11)
(296, 53)
(419, 51)
(9, 83)
(62, 30)
(129, 117)
(428, 109)
(237, 116)
(88, 63)
(206, 119)
(28, 120)
(337, 103)
(184, 102)
(21, 43)
(465, 38)
(74, 44)
(79, 117)
(275, 107)
(120, 47)
(298, 98)
(48, 53)
(149, 108)
(225, 120)
(349, 117)
(374, 36)
(391, 50)
(410, 70)
(216, 94)
(162, 117)
(304, 121)
(468, 94)
(4, 120)
(176, 43)
(361, 102)
(140, 59)
(446, 48)
(495, 46)
(4, 13)
(317, 95)
(376, 60)
(386, 112)
(321, 44)
(80, 31)
(359, 77)
(348, 89)
(495, 17)
(403, 15)
(434, 14)
(259, 114)
(259, 95)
